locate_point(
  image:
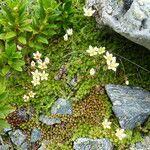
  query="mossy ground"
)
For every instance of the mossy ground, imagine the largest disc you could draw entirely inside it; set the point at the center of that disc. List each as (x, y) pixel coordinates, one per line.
(90, 106)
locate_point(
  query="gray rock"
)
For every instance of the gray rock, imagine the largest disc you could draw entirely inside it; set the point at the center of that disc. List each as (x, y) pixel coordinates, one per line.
(62, 107)
(73, 81)
(145, 145)
(24, 114)
(17, 137)
(6, 130)
(4, 147)
(49, 121)
(92, 144)
(35, 135)
(130, 18)
(24, 146)
(130, 104)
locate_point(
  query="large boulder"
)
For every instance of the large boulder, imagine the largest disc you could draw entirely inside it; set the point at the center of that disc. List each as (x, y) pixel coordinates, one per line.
(130, 18)
(130, 104)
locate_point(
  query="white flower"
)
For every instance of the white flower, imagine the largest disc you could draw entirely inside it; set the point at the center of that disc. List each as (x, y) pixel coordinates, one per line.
(69, 32)
(66, 37)
(101, 50)
(120, 134)
(112, 65)
(46, 60)
(35, 81)
(26, 98)
(32, 64)
(39, 61)
(92, 71)
(36, 74)
(92, 50)
(88, 11)
(44, 75)
(127, 82)
(106, 124)
(108, 57)
(19, 47)
(42, 65)
(37, 55)
(31, 94)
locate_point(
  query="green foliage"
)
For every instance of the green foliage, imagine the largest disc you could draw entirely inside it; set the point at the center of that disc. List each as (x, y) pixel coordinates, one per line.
(32, 24)
(10, 59)
(5, 109)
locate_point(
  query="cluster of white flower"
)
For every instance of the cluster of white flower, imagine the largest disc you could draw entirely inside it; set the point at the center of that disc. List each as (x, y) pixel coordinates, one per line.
(26, 97)
(36, 74)
(92, 52)
(95, 50)
(88, 12)
(111, 61)
(69, 32)
(119, 132)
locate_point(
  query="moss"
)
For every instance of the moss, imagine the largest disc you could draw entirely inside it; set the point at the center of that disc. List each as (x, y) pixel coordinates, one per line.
(86, 121)
(91, 111)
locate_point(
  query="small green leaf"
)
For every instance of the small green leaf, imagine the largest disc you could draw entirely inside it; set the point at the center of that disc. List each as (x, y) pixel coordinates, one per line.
(5, 110)
(4, 124)
(2, 36)
(2, 85)
(5, 70)
(10, 35)
(22, 39)
(42, 39)
(3, 96)
(16, 65)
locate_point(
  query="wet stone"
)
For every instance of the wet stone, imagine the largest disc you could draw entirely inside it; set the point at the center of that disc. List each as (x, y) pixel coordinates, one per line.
(131, 105)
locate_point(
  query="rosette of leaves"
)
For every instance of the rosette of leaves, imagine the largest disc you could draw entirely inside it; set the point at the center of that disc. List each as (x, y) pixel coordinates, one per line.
(44, 25)
(10, 60)
(34, 23)
(66, 13)
(14, 21)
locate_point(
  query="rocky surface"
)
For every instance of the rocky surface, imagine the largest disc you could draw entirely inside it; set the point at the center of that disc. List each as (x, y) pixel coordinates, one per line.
(4, 147)
(145, 145)
(19, 139)
(130, 104)
(49, 121)
(24, 114)
(130, 18)
(62, 107)
(92, 144)
(35, 135)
